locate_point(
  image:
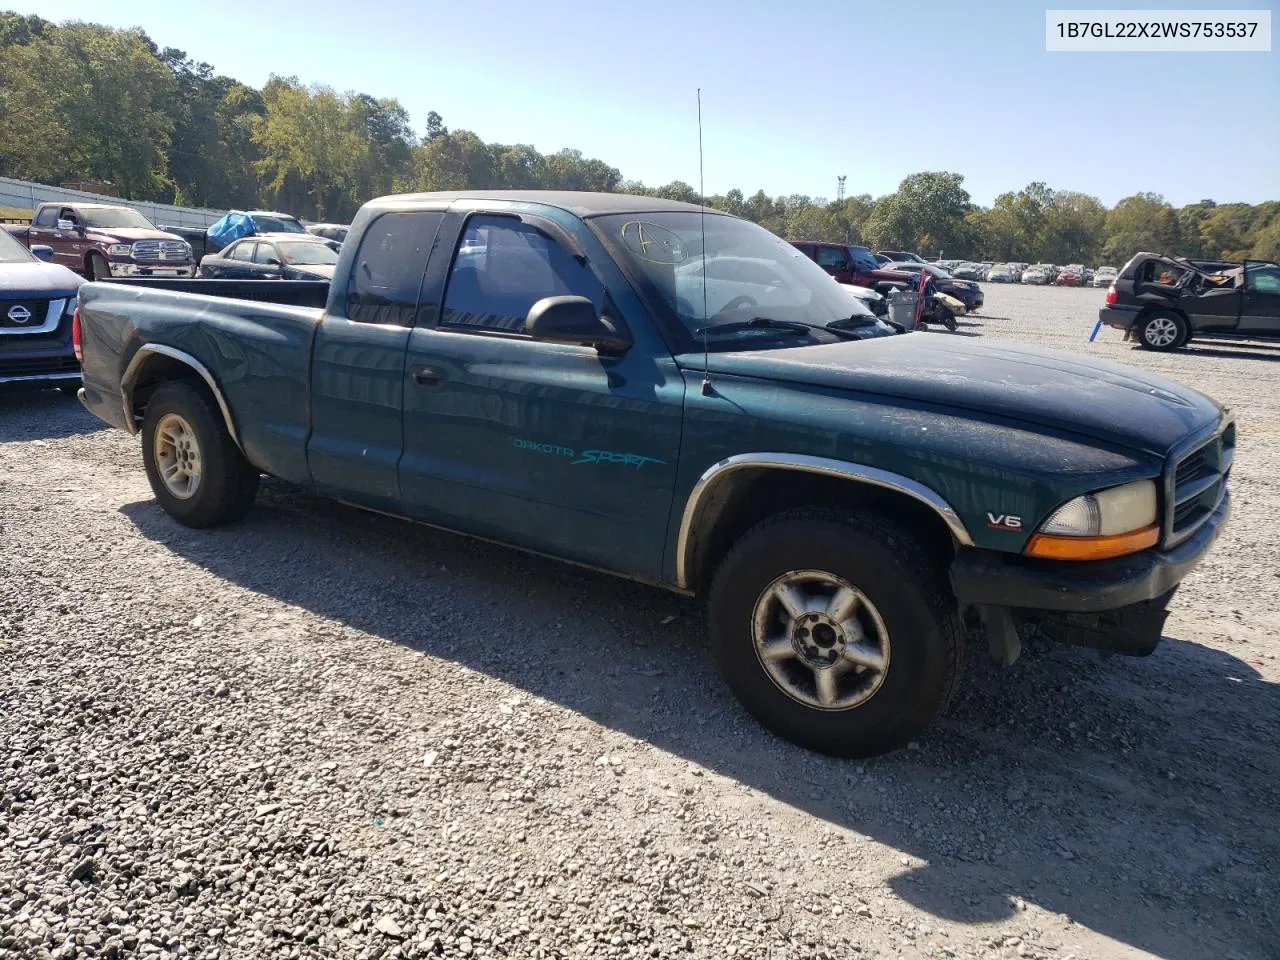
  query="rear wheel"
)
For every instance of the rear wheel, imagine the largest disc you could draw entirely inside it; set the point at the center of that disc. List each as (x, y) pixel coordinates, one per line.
(836, 631)
(1162, 330)
(197, 473)
(97, 267)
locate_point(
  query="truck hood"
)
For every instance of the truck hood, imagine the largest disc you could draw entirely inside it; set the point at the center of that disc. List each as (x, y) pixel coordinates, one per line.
(1052, 389)
(37, 281)
(127, 234)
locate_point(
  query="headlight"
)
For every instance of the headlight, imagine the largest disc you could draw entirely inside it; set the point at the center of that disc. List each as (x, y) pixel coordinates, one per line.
(190, 252)
(120, 249)
(1109, 523)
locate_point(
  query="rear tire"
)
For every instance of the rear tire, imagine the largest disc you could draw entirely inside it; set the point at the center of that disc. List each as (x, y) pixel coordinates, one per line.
(850, 685)
(97, 268)
(196, 471)
(1163, 330)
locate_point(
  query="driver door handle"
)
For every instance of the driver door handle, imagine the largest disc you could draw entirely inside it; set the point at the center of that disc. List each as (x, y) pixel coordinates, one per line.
(428, 376)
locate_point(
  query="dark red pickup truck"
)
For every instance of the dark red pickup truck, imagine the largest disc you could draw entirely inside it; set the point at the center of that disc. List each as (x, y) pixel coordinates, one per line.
(103, 240)
(851, 263)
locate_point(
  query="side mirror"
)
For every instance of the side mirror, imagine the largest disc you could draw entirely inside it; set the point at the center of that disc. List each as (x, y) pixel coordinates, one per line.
(574, 320)
(67, 226)
(43, 252)
(273, 261)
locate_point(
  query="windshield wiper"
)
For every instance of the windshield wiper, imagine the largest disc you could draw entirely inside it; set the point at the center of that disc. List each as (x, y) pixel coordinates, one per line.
(755, 323)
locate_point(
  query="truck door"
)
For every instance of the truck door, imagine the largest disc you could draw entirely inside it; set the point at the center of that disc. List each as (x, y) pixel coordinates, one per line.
(554, 447)
(357, 369)
(1260, 314)
(69, 245)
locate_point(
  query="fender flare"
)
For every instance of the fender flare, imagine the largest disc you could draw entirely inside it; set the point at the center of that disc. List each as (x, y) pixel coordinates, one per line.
(158, 349)
(842, 469)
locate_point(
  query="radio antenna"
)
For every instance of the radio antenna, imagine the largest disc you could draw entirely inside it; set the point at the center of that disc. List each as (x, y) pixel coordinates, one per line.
(702, 198)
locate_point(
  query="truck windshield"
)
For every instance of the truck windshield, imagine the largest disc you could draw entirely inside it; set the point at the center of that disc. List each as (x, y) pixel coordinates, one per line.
(11, 251)
(748, 274)
(306, 252)
(106, 218)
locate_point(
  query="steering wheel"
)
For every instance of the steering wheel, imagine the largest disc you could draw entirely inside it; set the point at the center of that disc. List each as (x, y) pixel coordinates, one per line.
(740, 301)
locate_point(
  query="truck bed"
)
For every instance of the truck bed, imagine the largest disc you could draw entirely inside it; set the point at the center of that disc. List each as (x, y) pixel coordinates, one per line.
(293, 293)
(254, 339)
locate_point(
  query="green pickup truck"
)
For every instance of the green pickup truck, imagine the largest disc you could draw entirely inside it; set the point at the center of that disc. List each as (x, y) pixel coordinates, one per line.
(678, 396)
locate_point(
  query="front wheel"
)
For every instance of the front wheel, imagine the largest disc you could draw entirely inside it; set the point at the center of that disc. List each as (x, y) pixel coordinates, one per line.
(836, 630)
(98, 268)
(196, 471)
(1163, 331)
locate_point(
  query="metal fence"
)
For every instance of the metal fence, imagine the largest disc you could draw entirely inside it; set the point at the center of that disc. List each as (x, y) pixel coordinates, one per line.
(27, 195)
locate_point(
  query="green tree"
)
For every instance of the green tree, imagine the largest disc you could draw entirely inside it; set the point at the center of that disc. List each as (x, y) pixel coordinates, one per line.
(926, 213)
(1143, 221)
(1072, 228)
(86, 101)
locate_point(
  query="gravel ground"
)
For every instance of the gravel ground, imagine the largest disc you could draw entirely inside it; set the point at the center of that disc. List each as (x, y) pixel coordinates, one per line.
(326, 734)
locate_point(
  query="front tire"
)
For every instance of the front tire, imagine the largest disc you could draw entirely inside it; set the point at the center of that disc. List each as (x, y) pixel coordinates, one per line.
(836, 630)
(97, 267)
(196, 471)
(1163, 330)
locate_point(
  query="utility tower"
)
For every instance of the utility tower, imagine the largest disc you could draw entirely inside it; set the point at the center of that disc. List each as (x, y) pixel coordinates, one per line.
(840, 187)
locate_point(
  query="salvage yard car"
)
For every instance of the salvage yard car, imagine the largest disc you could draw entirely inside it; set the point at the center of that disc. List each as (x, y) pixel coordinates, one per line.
(556, 372)
(103, 240)
(272, 256)
(1163, 301)
(37, 300)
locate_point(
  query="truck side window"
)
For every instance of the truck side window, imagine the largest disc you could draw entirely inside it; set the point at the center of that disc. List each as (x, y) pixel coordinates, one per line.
(47, 217)
(502, 268)
(1263, 279)
(388, 269)
(831, 257)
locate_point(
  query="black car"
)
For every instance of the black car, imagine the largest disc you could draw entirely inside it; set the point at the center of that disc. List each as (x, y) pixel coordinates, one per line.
(272, 256)
(1164, 301)
(966, 291)
(900, 256)
(37, 303)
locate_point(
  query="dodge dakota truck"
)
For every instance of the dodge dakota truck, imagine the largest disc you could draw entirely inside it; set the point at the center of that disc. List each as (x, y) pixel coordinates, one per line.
(678, 396)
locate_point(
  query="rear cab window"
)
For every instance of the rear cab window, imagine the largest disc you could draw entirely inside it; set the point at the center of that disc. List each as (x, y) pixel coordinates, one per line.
(502, 267)
(386, 276)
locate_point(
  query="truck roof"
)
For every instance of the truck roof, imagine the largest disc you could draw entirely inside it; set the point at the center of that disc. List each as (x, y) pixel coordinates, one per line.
(84, 206)
(581, 203)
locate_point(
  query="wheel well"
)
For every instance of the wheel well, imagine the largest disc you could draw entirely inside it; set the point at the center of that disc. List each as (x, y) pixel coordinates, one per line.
(158, 369)
(88, 258)
(1151, 308)
(745, 497)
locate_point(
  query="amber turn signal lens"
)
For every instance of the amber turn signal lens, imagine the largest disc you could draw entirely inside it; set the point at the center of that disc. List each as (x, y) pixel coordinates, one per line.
(1053, 547)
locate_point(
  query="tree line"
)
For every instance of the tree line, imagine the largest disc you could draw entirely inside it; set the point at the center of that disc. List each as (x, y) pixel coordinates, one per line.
(85, 102)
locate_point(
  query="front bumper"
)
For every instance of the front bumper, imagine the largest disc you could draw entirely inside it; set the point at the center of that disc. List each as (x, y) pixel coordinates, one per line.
(130, 268)
(987, 577)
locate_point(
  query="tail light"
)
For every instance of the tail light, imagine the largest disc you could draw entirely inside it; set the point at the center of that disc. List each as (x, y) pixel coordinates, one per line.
(1111, 294)
(76, 337)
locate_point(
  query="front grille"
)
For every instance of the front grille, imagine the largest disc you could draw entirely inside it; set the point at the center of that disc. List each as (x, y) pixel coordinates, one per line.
(36, 366)
(27, 314)
(160, 250)
(1199, 483)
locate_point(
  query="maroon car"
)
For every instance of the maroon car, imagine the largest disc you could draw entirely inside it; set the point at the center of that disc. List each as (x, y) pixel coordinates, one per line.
(103, 240)
(851, 263)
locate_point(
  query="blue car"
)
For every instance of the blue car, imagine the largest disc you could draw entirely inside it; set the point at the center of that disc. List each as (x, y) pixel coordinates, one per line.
(37, 300)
